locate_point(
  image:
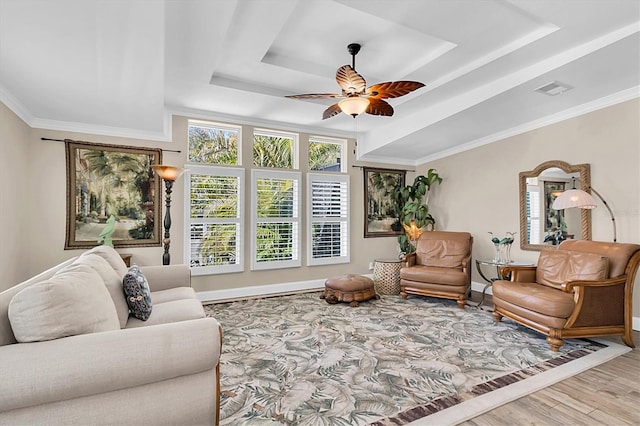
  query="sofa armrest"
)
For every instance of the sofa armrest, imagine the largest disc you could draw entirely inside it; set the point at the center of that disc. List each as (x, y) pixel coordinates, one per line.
(167, 276)
(89, 364)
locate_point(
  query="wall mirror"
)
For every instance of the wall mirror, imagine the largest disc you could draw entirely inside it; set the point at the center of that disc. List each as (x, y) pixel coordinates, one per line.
(542, 226)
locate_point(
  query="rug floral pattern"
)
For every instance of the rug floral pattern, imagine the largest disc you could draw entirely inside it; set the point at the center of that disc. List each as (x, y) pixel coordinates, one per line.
(297, 360)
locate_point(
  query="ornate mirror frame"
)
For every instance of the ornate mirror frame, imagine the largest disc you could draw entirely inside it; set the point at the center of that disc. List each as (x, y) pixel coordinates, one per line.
(585, 215)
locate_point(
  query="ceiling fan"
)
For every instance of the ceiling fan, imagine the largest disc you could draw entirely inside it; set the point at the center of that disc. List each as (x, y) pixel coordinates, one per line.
(357, 97)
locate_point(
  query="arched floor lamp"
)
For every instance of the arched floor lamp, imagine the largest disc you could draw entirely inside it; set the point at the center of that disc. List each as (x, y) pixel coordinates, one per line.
(168, 174)
(578, 198)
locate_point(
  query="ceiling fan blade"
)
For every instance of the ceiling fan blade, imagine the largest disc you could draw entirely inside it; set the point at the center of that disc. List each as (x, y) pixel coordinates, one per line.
(393, 89)
(350, 81)
(331, 111)
(379, 107)
(315, 96)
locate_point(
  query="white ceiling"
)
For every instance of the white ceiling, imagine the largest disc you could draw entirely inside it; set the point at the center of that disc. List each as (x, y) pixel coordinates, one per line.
(123, 67)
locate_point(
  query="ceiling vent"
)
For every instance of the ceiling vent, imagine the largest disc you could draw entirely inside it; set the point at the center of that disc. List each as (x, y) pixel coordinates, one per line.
(553, 88)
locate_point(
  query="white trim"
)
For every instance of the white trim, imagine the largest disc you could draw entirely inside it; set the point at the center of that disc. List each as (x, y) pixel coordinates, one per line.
(263, 290)
(259, 291)
(635, 323)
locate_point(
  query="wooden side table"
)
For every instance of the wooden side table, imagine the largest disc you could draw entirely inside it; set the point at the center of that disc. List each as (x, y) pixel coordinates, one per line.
(127, 258)
(386, 276)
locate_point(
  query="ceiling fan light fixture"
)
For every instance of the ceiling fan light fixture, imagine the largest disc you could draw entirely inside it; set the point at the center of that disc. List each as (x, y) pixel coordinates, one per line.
(353, 105)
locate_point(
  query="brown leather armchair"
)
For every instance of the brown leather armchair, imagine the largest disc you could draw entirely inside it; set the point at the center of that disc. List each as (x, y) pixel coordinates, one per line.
(440, 266)
(582, 289)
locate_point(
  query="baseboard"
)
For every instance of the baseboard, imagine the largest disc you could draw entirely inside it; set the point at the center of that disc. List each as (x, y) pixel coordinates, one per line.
(252, 292)
(476, 286)
(228, 295)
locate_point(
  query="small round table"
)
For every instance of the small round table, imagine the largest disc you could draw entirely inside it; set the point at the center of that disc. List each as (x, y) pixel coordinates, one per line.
(500, 276)
(386, 276)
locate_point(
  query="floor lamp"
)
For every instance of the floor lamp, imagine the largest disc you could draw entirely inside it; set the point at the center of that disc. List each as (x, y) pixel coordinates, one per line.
(578, 198)
(168, 174)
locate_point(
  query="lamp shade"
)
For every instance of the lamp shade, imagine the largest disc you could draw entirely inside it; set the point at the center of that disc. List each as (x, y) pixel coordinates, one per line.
(574, 198)
(168, 172)
(354, 105)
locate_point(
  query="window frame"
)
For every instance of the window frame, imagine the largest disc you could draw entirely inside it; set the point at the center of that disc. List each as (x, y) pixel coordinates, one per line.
(278, 134)
(221, 127)
(329, 178)
(334, 141)
(221, 171)
(295, 220)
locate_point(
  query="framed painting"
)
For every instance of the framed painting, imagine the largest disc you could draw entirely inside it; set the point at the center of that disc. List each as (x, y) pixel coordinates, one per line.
(112, 196)
(381, 218)
(553, 219)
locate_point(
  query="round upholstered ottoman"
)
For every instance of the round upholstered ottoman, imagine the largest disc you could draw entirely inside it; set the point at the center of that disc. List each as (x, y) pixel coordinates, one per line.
(348, 288)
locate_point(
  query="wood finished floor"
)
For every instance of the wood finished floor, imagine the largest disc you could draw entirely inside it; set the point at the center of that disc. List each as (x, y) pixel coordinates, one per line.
(608, 394)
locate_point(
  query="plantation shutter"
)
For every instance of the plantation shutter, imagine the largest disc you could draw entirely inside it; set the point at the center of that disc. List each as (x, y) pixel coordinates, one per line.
(328, 219)
(214, 215)
(275, 219)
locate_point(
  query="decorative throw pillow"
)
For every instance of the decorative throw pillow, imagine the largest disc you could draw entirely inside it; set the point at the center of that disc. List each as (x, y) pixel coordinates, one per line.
(136, 291)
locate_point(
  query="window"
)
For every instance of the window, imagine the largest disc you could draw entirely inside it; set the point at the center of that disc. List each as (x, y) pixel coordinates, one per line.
(328, 219)
(326, 154)
(212, 143)
(214, 219)
(275, 219)
(274, 149)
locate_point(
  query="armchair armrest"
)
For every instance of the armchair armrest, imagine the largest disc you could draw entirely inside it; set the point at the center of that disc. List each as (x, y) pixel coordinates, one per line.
(520, 273)
(410, 259)
(89, 364)
(167, 276)
(571, 285)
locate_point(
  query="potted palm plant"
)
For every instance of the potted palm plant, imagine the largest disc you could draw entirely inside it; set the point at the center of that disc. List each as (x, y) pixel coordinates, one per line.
(412, 203)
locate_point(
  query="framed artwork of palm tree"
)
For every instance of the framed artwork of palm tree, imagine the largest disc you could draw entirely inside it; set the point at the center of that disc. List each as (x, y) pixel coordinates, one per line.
(112, 196)
(381, 218)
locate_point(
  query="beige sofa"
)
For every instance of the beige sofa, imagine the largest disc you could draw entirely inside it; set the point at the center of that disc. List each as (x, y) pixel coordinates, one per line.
(111, 368)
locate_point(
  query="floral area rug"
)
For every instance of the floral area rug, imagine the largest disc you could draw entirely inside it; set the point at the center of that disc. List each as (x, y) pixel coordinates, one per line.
(297, 360)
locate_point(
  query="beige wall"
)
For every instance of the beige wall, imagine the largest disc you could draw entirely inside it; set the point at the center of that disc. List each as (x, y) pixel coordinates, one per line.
(16, 197)
(479, 194)
(480, 188)
(44, 216)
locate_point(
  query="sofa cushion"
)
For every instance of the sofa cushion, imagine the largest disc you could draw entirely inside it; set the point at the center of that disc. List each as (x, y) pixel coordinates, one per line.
(171, 294)
(556, 267)
(111, 280)
(535, 297)
(175, 311)
(74, 301)
(434, 274)
(443, 249)
(137, 294)
(112, 257)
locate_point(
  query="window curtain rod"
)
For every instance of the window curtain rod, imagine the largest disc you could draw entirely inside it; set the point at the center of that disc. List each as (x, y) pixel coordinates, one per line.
(62, 140)
(382, 168)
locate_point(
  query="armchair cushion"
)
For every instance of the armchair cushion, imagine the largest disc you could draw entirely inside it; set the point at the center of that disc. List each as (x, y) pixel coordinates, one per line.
(535, 297)
(137, 294)
(434, 274)
(449, 252)
(557, 267)
(74, 301)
